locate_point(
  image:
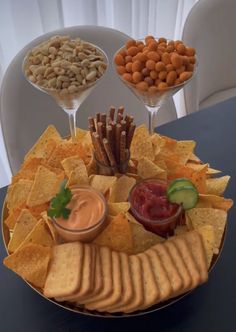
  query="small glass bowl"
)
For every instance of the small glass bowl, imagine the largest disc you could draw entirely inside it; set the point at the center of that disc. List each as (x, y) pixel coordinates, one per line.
(87, 234)
(163, 227)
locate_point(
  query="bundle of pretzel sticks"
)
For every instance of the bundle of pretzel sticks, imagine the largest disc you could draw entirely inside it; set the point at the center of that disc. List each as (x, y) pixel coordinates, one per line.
(112, 136)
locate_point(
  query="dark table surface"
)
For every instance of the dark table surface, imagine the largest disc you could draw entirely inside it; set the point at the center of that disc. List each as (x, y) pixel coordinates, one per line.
(211, 307)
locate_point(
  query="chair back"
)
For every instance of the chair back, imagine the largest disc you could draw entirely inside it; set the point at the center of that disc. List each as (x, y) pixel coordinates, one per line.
(210, 28)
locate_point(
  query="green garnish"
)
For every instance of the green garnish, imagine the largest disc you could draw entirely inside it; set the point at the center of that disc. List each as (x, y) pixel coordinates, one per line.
(58, 203)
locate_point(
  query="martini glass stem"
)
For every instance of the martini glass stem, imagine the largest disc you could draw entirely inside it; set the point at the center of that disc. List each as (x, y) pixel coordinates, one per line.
(72, 122)
(152, 118)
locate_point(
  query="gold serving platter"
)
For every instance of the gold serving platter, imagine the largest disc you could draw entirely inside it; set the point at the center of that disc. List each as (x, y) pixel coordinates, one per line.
(81, 310)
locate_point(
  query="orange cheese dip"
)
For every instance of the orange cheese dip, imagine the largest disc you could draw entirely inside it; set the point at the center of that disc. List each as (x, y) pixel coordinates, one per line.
(87, 209)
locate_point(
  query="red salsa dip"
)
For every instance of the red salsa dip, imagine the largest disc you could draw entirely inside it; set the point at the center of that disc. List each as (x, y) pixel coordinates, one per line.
(150, 206)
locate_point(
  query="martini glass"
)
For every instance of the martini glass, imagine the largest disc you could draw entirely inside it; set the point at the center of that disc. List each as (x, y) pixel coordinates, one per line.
(70, 101)
(153, 98)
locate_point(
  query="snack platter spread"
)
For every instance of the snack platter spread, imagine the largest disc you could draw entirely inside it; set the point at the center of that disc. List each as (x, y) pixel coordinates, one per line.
(155, 157)
(114, 221)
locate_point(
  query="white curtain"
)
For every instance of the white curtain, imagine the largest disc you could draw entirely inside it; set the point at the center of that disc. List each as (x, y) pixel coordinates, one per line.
(23, 20)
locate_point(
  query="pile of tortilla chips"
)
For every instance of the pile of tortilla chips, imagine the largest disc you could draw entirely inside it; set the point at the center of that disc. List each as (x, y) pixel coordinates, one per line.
(53, 159)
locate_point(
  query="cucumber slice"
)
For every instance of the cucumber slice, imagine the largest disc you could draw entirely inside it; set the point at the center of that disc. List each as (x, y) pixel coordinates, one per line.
(181, 182)
(186, 195)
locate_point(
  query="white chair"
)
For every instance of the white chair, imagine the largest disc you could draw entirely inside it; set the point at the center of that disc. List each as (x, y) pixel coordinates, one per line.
(25, 111)
(210, 28)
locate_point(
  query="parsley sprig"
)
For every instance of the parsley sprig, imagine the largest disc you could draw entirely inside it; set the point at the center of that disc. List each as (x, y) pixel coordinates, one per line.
(58, 203)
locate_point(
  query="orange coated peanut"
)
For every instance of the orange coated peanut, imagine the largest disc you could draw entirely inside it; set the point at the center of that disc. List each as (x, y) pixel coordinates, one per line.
(171, 77)
(176, 60)
(190, 51)
(136, 66)
(127, 77)
(121, 70)
(137, 77)
(185, 76)
(142, 86)
(152, 55)
(119, 60)
(133, 50)
(130, 43)
(150, 64)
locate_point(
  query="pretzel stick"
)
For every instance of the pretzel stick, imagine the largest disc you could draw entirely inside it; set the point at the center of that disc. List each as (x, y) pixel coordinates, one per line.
(91, 124)
(103, 118)
(122, 146)
(96, 146)
(113, 126)
(100, 148)
(130, 135)
(92, 130)
(123, 125)
(109, 120)
(109, 153)
(118, 132)
(110, 137)
(121, 110)
(100, 130)
(119, 117)
(129, 119)
(112, 112)
(97, 117)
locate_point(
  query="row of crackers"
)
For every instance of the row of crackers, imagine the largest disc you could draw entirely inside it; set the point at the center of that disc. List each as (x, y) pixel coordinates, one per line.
(110, 281)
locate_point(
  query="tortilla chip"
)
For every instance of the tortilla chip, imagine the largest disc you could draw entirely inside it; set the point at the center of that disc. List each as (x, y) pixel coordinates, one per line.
(212, 171)
(161, 164)
(102, 183)
(148, 169)
(168, 143)
(141, 145)
(199, 167)
(143, 239)
(217, 186)
(10, 221)
(91, 166)
(78, 176)
(54, 234)
(117, 235)
(31, 263)
(116, 208)
(86, 139)
(184, 149)
(180, 230)
(157, 143)
(215, 202)
(207, 216)
(39, 235)
(80, 133)
(65, 150)
(18, 193)
(121, 189)
(208, 237)
(133, 175)
(168, 150)
(28, 170)
(194, 158)
(46, 185)
(38, 150)
(38, 209)
(24, 224)
(69, 164)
